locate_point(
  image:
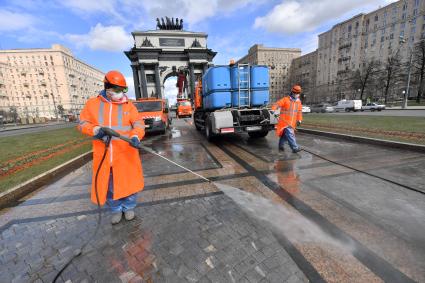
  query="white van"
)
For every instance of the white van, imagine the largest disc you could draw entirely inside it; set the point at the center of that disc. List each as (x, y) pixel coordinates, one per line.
(348, 105)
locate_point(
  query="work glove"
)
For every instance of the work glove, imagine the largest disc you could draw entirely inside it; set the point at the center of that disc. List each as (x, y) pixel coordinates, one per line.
(135, 142)
(99, 133)
(298, 123)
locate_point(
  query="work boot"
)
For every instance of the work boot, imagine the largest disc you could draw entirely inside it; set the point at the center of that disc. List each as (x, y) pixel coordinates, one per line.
(295, 150)
(281, 148)
(129, 215)
(116, 218)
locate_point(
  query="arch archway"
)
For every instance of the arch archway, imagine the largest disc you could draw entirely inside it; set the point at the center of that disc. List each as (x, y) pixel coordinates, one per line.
(159, 54)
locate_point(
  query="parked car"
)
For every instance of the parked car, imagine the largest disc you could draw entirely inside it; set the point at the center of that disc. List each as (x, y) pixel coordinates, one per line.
(322, 108)
(306, 109)
(373, 106)
(348, 105)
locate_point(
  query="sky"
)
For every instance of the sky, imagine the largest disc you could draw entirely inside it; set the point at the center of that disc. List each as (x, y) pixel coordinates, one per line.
(98, 32)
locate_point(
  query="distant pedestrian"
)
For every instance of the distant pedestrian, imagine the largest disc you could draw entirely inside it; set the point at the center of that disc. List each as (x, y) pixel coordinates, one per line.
(120, 176)
(290, 117)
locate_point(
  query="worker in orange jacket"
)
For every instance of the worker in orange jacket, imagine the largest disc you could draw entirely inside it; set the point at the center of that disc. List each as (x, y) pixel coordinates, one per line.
(290, 117)
(120, 176)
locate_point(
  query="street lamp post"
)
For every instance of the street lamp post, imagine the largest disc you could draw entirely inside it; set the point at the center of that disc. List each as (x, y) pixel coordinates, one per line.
(54, 105)
(406, 94)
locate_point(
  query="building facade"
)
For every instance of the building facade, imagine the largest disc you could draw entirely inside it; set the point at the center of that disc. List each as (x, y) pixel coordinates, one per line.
(279, 62)
(36, 81)
(303, 72)
(351, 45)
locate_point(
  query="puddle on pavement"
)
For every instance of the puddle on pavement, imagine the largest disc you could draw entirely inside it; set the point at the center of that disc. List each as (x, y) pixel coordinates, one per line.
(296, 228)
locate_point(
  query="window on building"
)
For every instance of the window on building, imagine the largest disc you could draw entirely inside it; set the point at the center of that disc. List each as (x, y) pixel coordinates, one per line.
(417, 3)
(376, 18)
(415, 12)
(404, 6)
(403, 17)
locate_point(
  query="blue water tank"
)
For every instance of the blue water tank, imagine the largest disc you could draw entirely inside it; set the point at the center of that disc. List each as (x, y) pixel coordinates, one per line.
(239, 74)
(260, 97)
(216, 78)
(204, 83)
(259, 77)
(244, 98)
(217, 100)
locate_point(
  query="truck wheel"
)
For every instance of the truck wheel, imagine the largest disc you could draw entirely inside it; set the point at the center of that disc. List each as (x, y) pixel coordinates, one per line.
(208, 130)
(258, 134)
(373, 109)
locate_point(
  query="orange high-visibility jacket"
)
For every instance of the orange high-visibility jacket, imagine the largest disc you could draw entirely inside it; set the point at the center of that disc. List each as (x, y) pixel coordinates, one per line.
(124, 159)
(290, 113)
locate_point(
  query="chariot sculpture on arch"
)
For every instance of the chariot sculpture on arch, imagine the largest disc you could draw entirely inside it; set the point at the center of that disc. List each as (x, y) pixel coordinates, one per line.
(169, 24)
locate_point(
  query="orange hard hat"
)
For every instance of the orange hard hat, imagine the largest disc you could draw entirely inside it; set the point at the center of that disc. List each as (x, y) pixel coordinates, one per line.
(115, 78)
(296, 89)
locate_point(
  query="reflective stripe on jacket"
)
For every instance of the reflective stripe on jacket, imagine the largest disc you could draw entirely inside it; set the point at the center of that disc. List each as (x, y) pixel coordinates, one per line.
(290, 113)
(125, 160)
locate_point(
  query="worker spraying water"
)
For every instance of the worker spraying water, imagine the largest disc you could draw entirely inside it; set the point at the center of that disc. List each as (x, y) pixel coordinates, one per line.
(290, 117)
(111, 182)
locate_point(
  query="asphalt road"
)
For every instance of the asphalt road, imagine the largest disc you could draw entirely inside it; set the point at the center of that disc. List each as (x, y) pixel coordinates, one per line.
(42, 128)
(408, 113)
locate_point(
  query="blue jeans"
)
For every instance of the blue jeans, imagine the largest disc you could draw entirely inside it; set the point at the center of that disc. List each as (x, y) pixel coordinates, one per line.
(289, 136)
(122, 204)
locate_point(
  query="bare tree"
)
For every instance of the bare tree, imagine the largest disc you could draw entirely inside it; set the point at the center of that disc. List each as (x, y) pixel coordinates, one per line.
(364, 76)
(419, 65)
(390, 74)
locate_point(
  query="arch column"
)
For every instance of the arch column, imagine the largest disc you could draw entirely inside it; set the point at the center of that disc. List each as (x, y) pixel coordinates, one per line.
(158, 82)
(143, 82)
(136, 81)
(192, 80)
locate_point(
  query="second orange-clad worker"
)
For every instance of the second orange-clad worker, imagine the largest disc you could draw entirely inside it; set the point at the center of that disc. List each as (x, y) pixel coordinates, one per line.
(290, 117)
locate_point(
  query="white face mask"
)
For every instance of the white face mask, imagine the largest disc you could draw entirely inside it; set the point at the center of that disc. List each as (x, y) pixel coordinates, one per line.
(115, 96)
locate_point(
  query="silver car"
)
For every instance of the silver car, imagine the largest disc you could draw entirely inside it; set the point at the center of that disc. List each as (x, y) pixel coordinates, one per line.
(322, 108)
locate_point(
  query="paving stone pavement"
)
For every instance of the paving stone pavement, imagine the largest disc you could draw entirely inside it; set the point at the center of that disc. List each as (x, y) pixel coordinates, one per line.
(207, 239)
(187, 230)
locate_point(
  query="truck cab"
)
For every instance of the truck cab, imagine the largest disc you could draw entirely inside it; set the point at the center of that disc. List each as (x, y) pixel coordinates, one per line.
(184, 109)
(155, 114)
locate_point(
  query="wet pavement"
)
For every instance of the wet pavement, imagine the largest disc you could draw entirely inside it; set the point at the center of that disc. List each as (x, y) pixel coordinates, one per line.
(292, 218)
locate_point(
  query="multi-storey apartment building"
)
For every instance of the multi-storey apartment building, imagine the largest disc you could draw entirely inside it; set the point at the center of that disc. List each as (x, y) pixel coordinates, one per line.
(303, 72)
(279, 62)
(37, 81)
(352, 44)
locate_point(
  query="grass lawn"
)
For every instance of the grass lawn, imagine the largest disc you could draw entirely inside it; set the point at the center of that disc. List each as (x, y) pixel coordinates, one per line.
(404, 129)
(410, 103)
(26, 156)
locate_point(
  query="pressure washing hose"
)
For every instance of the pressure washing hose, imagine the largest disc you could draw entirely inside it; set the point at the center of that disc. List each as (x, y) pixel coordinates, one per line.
(79, 251)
